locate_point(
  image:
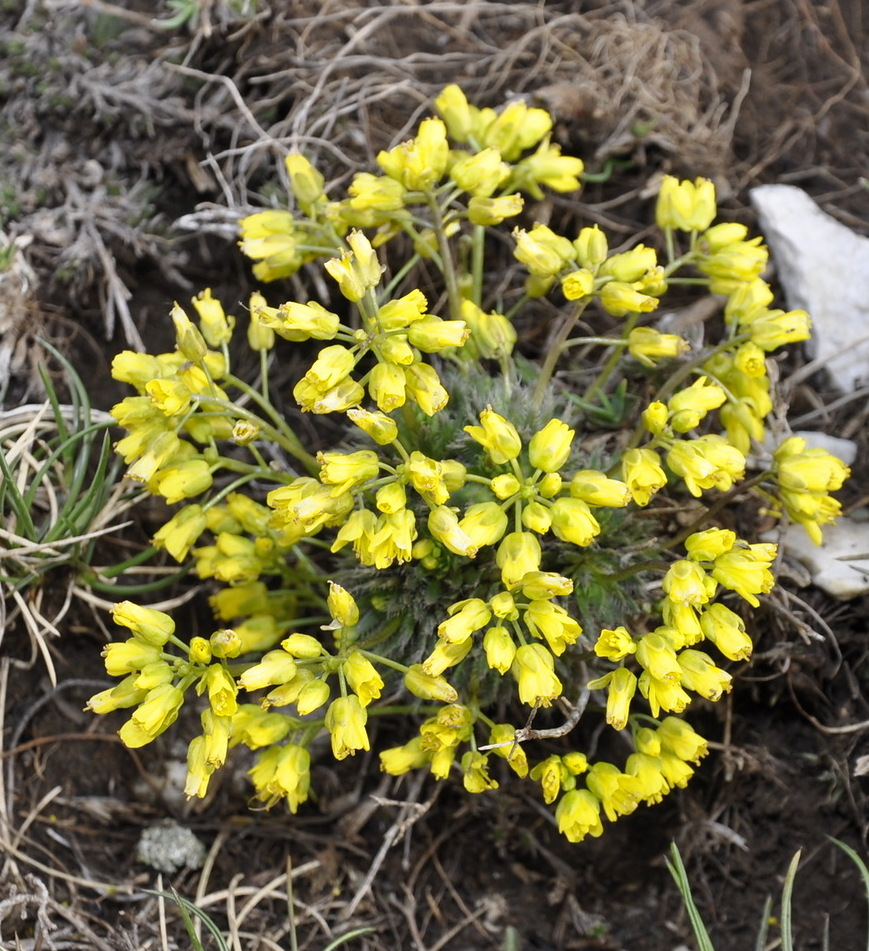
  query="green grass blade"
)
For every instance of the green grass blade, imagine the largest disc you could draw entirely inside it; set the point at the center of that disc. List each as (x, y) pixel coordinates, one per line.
(347, 937)
(763, 931)
(14, 500)
(861, 866)
(187, 907)
(680, 876)
(787, 923)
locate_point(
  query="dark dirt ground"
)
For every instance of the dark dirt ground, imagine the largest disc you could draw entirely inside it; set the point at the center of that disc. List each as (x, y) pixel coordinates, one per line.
(129, 149)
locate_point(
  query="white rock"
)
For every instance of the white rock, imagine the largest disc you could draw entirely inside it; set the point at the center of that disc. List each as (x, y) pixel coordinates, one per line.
(823, 268)
(840, 566)
(169, 847)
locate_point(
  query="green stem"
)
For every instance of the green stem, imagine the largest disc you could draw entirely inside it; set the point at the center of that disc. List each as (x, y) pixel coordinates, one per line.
(478, 248)
(555, 351)
(612, 361)
(449, 270)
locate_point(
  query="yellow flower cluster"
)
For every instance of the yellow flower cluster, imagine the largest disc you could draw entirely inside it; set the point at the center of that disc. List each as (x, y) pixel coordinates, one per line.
(502, 505)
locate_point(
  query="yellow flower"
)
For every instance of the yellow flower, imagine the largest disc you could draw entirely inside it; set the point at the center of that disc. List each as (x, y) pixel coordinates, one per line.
(690, 405)
(446, 655)
(475, 772)
(591, 247)
(460, 117)
(573, 522)
(663, 694)
(492, 211)
(158, 453)
(578, 284)
(685, 205)
(547, 166)
(618, 793)
(283, 772)
(374, 193)
(420, 163)
(708, 462)
(256, 727)
(709, 544)
(553, 623)
(502, 737)
(484, 523)
(799, 469)
(596, 488)
(188, 339)
(615, 644)
(776, 329)
(221, 688)
(332, 365)
(387, 386)
(305, 181)
(621, 685)
(135, 368)
(515, 129)
(312, 696)
(391, 540)
(380, 427)
(641, 470)
(426, 476)
(401, 759)
(302, 645)
(183, 480)
(148, 625)
(677, 737)
(652, 785)
(549, 448)
(648, 345)
(542, 251)
(345, 721)
(730, 261)
(497, 436)
(268, 238)
(428, 686)
(578, 815)
(275, 667)
(746, 571)
(345, 470)
(686, 583)
(506, 485)
(155, 714)
(542, 585)
(480, 174)
(726, 630)
(465, 618)
(500, 649)
(552, 775)
(619, 298)
(297, 322)
(356, 270)
(534, 670)
(122, 695)
(363, 678)
(216, 326)
(536, 516)
(701, 675)
(684, 621)
(425, 388)
(518, 553)
(657, 657)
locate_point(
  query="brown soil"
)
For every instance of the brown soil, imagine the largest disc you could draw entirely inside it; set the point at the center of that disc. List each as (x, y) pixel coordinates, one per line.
(130, 150)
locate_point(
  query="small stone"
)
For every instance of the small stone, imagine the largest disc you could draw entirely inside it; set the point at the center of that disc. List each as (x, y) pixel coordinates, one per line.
(839, 566)
(168, 847)
(823, 268)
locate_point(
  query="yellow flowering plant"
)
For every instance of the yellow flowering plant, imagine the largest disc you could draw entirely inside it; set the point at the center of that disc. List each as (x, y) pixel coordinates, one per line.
(493, 536)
